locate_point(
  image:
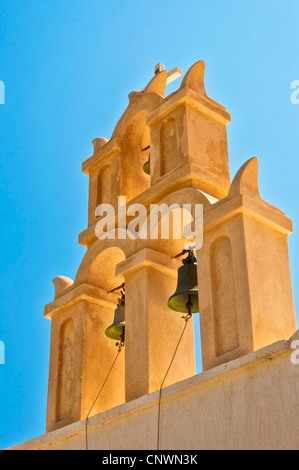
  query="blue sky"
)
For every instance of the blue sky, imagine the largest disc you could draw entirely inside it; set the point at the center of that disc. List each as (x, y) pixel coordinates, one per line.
(68, 67)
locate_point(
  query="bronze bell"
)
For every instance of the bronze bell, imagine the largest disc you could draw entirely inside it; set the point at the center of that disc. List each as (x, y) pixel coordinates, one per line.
(116, 331)
(185, 298)
(147, 166)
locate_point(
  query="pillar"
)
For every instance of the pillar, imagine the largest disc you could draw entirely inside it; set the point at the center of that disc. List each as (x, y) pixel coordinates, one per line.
(81, 356)
(245, 289)
(152, 329)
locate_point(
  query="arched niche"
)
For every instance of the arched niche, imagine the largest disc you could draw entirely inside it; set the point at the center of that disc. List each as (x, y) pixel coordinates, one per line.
(104, 186)
(66, 370)
(223, 296)
(168, 146)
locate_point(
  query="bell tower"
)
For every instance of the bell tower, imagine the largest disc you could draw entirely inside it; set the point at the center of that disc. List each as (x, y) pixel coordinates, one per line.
(166, 150)
(189, 138)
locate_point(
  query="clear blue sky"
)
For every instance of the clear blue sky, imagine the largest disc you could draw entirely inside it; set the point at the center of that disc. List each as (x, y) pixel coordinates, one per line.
(68, 67)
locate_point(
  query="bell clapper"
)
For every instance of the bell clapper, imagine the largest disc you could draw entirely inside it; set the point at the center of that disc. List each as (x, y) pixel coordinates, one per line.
(189, 306)
(120, 345)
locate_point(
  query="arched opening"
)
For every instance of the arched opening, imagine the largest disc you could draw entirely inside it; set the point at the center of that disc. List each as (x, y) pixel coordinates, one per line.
(134, 153)
(179, 201)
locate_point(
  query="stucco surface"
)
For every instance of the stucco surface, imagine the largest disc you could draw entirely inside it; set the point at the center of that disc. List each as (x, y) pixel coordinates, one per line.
(248, 403)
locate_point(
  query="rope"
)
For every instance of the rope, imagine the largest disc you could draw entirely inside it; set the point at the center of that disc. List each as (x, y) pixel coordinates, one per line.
(186, 318)
(120, 345)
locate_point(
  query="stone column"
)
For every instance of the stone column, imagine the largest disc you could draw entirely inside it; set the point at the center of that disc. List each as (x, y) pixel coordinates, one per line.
(81, 356)
(245, 288)
(152, 329)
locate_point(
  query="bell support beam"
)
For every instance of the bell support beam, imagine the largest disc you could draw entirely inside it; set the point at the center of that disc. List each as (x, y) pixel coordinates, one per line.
(81, 355)
(152, 329)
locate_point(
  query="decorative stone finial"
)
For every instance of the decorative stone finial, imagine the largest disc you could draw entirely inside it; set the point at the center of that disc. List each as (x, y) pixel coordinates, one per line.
(61, 283)
(98, 143)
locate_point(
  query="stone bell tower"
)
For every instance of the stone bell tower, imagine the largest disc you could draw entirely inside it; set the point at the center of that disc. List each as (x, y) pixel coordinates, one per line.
(244, 285)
